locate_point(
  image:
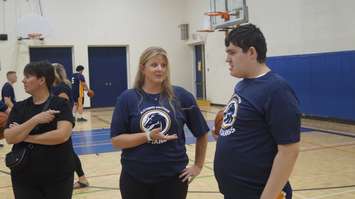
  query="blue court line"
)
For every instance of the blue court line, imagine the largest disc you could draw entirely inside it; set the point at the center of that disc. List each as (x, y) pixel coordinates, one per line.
(99, 140)
(84, 144)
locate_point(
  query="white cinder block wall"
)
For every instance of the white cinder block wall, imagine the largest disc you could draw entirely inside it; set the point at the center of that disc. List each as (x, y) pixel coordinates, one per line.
(80, 23)
(291, 27)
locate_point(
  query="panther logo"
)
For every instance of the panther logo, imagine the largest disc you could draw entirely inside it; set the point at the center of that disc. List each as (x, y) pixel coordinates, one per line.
(230, 113)
(154, 119)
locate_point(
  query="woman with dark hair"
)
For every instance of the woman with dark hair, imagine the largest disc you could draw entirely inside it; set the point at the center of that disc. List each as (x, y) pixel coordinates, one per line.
(62, 88)
(48, 171)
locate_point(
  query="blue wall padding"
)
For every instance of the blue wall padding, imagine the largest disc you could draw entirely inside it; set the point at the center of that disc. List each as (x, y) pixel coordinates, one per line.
(323, 82)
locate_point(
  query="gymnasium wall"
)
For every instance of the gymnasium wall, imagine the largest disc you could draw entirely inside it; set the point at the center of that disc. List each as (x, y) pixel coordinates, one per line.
(323, 82)
(136, 24)
(301, 35)
(310, 43)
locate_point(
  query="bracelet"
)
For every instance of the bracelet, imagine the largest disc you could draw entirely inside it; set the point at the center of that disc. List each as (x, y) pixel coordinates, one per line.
(147, 133)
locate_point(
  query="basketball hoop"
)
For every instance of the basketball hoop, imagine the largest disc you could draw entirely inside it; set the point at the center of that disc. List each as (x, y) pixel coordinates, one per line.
(206, 25)
(225, 15)
(203, 36)
(200, 36)
(35, 36)
(33, 27)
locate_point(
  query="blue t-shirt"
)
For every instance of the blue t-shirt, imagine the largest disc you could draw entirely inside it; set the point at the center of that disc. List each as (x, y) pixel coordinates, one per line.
(262, 113)
(76, 84)
(63, 88)
(137, 111)
(8, 91)
(3, 107)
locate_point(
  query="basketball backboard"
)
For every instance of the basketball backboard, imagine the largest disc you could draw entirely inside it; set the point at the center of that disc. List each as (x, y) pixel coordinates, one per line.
(225, 14)
(33, 27)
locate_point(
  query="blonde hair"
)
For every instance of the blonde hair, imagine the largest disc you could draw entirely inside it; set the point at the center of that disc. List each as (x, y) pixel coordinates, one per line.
(60, 74)
(148, 54)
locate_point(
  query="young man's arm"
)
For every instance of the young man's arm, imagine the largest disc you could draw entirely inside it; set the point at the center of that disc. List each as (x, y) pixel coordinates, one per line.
(281, 170)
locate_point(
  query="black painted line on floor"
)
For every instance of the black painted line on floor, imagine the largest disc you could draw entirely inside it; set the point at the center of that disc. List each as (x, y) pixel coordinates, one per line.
(326, 188)
(295, 190)
(335, 133)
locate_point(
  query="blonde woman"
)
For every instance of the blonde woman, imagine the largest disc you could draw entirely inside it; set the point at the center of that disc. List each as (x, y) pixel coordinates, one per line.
(148, 125)
(62, 88)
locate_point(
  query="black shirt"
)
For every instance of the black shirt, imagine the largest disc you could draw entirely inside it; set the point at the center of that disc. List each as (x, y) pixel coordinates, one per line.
(46, 161)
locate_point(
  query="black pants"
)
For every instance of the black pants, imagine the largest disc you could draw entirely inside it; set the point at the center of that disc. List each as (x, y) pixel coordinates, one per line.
(34, 189)
(78, 168)
(171, 188)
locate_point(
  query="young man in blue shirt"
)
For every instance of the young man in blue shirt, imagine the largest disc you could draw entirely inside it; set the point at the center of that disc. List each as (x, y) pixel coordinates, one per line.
(258, 143)
(7, 92)
(6, 110)
(78, 87)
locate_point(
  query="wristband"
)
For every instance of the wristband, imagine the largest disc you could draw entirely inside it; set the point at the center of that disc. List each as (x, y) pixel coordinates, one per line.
(147, 133)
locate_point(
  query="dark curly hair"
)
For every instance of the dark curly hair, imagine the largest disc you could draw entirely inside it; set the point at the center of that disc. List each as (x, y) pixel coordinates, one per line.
(246, 36)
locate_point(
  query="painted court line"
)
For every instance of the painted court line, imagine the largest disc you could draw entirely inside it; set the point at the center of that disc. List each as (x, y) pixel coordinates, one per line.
(320, 147)
(6, 187)
(88, 192)
(99, 140)
(345, 134)
(325, 188)
(90, 144)
(333, 194)
(299, 196)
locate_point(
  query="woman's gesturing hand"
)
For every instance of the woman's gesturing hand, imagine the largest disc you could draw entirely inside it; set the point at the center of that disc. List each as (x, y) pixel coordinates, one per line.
(155, 134)
(45, 116)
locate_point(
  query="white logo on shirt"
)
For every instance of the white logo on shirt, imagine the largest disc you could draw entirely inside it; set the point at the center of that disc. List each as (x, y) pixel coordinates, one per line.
(230, 116)
(155, 117)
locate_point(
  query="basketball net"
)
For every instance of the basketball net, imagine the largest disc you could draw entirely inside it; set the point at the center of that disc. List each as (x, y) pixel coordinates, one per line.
(32, 39)
(33, 28)
(34, 36)
(202, 33)
(203, 36)
(199, 37)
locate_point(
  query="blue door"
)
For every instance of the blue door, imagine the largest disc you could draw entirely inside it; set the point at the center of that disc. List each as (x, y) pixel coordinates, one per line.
(62, 55)
(108, 74)
(200, 72)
